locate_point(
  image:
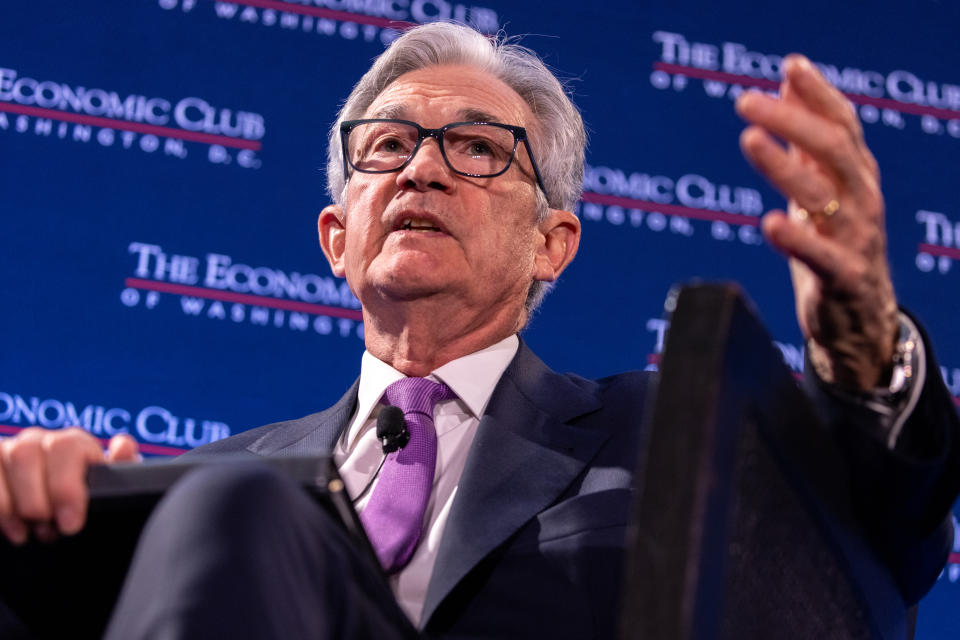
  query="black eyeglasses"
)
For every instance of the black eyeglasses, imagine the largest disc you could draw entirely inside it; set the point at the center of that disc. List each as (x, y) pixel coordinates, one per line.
(473, 149)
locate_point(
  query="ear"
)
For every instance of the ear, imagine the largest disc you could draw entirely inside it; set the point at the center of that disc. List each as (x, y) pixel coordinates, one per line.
(333, 237)
(561, 238)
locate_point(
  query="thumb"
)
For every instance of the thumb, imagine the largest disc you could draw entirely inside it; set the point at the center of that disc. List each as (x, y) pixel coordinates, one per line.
(123, 448)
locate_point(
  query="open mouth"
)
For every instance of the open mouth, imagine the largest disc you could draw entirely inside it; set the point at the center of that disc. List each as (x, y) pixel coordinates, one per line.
(417, 224)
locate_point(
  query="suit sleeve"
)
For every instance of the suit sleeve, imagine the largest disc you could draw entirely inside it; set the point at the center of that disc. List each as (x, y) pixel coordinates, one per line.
(904, 494)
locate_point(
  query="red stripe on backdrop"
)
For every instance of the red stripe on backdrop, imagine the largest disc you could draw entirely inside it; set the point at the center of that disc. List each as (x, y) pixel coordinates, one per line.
(670, 209)
(244, 298)
(152, 449)
(331, 14)
(772, 85)
(937, 250)
(720, 76)
(126, 125)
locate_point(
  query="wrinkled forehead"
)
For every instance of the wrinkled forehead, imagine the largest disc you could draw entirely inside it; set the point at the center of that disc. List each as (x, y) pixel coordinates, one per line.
(438, 95)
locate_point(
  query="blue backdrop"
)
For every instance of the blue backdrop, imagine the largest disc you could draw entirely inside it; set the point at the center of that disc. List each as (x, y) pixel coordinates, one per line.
(161, 170)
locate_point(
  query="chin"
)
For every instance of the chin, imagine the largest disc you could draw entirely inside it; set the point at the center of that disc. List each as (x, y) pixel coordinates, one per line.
(409, 286)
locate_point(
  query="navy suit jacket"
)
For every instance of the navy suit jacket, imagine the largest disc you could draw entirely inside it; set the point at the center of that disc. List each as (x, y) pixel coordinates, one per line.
(534, 544)
(534, 539)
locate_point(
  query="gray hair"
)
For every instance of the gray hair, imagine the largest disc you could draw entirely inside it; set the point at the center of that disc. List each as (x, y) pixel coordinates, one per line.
(559, 139)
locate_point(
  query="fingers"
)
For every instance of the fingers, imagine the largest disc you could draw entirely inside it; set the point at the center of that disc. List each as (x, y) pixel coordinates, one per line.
(834, 236)
(787, 171)
(12, 527)
(24, 470)
(123, 448)
(827, 142)
(831, 261)
(815, 117)
(804, 82)
(43, 482)
(827, 162)
(68, 454)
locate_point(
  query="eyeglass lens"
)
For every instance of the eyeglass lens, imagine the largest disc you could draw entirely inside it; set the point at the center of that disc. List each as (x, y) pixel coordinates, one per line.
(478, 149)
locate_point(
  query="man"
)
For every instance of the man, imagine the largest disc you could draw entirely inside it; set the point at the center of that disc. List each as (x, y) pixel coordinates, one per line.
(454, 167)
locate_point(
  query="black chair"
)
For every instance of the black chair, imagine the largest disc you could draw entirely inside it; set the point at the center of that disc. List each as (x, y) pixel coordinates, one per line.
(743, 524)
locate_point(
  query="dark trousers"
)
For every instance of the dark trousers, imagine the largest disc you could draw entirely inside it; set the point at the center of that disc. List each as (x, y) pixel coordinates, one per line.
(240, 551)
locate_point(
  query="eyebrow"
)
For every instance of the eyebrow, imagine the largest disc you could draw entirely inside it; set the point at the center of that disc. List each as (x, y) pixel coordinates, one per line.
(476, 115)
(390, 112)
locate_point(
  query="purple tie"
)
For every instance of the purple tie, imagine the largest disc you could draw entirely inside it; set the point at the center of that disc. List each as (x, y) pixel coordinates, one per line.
(393, 517)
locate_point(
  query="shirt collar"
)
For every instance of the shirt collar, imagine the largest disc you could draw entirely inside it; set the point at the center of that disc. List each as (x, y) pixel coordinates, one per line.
(472, 377)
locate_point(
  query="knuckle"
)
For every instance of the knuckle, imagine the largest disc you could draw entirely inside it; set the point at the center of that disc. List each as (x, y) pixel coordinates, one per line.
(31, 503)
(28, 434)
(55, 444)
(74, 433)
(58, 443)
(23, 452)
(65, 488)
(847, 145)
(837, 144)
(33, 509)
(68, 441)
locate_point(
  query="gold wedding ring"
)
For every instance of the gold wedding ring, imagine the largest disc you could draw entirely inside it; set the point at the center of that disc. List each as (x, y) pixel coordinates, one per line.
(831, 208)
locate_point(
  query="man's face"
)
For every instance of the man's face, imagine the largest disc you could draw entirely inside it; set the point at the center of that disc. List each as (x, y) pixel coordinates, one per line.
(474, 241)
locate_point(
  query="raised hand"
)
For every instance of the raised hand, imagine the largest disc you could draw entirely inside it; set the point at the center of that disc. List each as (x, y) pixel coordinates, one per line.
(833, 232)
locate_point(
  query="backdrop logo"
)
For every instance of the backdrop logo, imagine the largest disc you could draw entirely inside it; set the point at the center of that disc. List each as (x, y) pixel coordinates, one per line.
(217, 288)
(728, 68)
(367, 20)
(658, 327)
(793, 355)
(658, 203)
(50, 108)
(941, 242)
(159, 430)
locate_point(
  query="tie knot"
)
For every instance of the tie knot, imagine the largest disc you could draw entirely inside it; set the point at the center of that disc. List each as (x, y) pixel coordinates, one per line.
(417, 395)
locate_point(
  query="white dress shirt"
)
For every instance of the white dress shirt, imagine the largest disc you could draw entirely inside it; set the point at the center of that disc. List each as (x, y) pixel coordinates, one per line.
(358, 452)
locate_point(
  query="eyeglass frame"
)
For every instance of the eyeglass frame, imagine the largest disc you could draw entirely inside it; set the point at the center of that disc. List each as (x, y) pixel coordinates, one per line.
(519, 135)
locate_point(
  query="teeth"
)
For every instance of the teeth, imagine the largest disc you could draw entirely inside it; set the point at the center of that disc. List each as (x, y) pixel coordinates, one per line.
(413, 223)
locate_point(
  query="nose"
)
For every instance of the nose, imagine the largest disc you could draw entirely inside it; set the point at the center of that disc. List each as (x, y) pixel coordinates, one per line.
(426, 170)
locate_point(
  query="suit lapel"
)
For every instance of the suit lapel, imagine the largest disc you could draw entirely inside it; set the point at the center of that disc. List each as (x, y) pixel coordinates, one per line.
(523, 458)
(316, 433)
